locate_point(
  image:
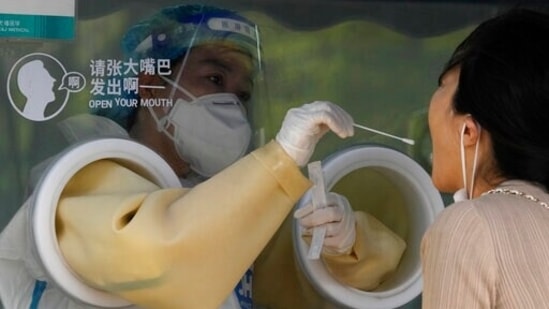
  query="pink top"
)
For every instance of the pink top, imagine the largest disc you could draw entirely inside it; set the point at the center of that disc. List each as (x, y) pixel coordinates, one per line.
(490, 252)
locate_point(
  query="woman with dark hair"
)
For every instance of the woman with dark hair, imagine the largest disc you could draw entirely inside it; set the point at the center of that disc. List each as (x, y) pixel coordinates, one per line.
(488, 121)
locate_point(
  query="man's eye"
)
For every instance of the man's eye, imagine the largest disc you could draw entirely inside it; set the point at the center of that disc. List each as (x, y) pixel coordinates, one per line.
(216, 79)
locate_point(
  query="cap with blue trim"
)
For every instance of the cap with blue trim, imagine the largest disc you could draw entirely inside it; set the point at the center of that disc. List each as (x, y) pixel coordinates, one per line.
(169, 33)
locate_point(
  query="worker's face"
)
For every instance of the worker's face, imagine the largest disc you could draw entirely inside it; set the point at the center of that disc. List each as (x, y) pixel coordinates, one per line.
(445, 128)
(215, 68)
(206, 70)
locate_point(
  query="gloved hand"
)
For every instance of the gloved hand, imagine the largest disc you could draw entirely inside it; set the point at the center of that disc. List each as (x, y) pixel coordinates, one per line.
(303, 127)
(339, 219)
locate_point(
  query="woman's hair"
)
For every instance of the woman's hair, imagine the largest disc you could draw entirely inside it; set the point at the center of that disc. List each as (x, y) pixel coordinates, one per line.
(504, 85)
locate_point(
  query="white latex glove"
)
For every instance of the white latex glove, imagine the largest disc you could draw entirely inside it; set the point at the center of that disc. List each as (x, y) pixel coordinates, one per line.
(339, 219)
(303, 127)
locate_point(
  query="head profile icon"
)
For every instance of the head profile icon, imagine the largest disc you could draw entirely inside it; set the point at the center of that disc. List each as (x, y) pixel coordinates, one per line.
(36, 84)
(39, 86)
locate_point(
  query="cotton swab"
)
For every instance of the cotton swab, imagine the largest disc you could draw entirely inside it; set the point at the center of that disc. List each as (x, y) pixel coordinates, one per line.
(405, 140)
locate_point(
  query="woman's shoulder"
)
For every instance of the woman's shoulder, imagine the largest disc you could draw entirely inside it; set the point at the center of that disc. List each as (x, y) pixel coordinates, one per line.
(455, 220)
(511, 200)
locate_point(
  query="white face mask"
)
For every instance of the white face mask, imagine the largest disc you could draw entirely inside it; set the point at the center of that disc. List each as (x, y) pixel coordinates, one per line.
(462, 194)
(210, 132)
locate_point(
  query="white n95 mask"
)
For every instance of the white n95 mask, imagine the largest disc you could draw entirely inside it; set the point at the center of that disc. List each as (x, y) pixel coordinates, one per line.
(210, 132)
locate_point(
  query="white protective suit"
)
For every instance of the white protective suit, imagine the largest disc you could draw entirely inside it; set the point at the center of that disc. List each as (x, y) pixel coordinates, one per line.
(24, 282)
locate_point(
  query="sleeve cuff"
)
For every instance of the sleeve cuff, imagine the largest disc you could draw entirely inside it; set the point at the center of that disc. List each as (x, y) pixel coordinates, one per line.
(283, 169)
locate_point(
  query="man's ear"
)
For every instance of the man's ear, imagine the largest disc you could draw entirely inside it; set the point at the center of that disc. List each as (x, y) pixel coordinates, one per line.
(149, 80)
(471, 133)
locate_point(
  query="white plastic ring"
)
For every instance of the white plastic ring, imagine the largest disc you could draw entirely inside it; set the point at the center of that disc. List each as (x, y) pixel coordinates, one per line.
(423, 201)
(49, 189)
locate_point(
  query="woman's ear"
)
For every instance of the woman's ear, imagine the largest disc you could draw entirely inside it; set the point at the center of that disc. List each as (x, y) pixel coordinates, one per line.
(471, 131)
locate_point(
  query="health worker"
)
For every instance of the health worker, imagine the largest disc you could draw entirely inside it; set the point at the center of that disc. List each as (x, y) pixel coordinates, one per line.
(191, 246)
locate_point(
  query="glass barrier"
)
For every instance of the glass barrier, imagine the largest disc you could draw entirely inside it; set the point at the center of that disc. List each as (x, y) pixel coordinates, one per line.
(379, 60)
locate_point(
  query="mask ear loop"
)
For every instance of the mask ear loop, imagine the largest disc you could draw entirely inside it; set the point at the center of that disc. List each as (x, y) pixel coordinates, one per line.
(183, 64)
(161, 123)
(176, 86)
